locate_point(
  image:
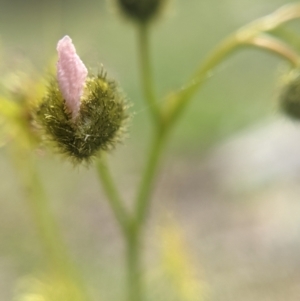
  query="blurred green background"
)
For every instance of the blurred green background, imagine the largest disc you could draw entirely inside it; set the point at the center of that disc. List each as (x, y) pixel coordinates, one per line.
(229, 177)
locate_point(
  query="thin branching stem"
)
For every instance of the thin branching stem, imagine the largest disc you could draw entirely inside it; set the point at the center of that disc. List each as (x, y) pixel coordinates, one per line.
(148, 177)
(252, 34)
(164, 120)
(142, 202)
(113, 196)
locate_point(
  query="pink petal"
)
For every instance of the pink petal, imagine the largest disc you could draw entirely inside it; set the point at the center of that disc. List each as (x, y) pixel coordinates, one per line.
(71, 74)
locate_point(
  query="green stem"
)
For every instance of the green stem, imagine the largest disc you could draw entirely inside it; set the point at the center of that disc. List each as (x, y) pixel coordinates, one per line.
(146, 71)
(288, 35)
(179, 101)
(55, 250)
(134, 273)
(135, 229)
(146, 185)
(130, 231)
(112, 194)
(133, 225)
(275, 46)
(250, 35)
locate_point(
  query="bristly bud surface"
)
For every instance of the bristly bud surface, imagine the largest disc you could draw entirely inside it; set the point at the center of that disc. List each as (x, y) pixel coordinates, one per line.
(100, 118)
(141, 10)
(290, 95)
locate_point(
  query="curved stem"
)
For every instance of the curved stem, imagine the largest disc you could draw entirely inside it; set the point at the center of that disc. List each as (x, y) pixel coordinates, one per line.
(132, 225)
(282, 15)
(276, 47)
(146, 71)
(288, 35)
(130, 232)
(112, 194)
(250, 35)
(177, 101)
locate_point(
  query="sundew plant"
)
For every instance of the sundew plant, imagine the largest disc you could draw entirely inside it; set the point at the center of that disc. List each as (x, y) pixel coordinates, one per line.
(82, 117)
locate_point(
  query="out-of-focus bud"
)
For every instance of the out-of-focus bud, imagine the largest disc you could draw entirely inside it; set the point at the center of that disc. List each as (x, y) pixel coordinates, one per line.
(81, 115)
(17, 103)
(141, 10)
(290, 95)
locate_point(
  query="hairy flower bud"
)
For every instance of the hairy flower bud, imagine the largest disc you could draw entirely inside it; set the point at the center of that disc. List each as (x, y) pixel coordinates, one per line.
(140, 10)
(290, 95)
(81, 116)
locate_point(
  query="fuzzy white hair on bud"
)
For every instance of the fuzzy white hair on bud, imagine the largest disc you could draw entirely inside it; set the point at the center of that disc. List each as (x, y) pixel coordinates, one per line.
(71, 75)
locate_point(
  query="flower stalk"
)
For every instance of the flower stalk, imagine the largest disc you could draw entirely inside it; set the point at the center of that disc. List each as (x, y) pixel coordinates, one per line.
(113, 196)
(146, 72)
(164, 118)
(83, 117)
(252, 35)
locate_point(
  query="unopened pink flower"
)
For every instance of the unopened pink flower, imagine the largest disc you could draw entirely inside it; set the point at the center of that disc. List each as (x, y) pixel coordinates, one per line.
(71, 75)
